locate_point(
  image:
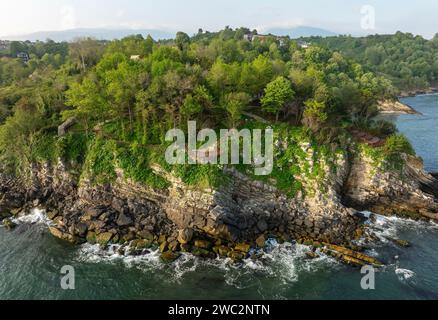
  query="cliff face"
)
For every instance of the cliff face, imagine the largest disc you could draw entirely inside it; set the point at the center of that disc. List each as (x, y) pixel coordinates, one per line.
(241, 210)
(409, 192)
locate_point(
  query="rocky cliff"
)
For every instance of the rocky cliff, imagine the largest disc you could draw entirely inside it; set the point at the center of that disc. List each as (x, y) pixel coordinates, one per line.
(408, 191)
(242, 211)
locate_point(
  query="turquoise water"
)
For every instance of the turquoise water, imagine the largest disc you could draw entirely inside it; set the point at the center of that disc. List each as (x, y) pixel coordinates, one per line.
(31, 259)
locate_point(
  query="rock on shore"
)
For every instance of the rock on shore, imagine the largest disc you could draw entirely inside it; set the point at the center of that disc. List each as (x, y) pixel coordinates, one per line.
(395, 107)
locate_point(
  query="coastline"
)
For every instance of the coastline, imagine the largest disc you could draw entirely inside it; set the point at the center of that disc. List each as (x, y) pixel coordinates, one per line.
(397, 107)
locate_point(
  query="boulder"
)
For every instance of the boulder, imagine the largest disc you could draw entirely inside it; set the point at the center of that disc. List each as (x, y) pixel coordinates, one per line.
(141, 244)
(203, 244)
(52, 214)
(236, 256)
(162, 238)
(185, 247)
(4, 214)
(163, 246)
(128, 237)
(62, 235)
(91, 237)
(9, 224)
(106, 217)
(93, 212)
(222, 251)
(104, 238)
(81, 229)
(352, 257)
(123, 220)
(311, 255)
(185, 236)
(169, 256)
(203, 253)
(147, 235)
(173, 246)
(261, 241)
(262, 225)
(243, 247)
(401, 243)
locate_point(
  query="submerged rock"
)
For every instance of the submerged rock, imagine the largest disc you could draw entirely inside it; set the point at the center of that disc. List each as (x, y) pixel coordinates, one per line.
(312, 255)
(9, 224)
(401, 243)
(169, 256)
(351, 257)
(4, 214)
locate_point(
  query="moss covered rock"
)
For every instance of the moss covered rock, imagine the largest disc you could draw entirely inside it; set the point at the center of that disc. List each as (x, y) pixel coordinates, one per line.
(91, 237)
(203, 244)
(243, 247)
(9, 224)
(169, 256)
(104, 238)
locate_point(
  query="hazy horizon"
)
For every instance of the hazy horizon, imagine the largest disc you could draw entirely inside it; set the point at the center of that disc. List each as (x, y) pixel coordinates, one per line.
(340, 16)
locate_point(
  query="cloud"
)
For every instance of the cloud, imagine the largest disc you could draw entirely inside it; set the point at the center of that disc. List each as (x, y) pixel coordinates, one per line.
(68, 17)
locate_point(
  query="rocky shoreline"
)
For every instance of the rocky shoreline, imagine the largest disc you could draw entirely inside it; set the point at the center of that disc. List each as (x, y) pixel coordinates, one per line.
(413, 93)
(228, 222)
(395, 107)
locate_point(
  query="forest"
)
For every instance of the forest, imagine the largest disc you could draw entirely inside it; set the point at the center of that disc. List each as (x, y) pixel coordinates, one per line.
(124, 95)
(410, 62)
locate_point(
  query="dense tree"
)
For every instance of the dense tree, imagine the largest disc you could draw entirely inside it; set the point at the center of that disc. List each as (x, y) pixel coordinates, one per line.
(277, 94)
(86, 53)
(408, 61)
(182, 40)
(212, 78)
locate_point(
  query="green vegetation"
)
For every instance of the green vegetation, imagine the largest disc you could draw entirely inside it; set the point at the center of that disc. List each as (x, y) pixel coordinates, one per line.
(388, 156)
(410, 62)
(126, 94)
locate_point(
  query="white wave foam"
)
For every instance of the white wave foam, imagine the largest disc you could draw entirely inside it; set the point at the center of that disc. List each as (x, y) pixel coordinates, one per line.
(94, 253)
(36, 216)
(285, 261)
(405, 275)
(386, 228)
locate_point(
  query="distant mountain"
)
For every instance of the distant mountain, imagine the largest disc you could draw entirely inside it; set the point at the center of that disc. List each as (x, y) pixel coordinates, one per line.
(101, 34)
(301, 31)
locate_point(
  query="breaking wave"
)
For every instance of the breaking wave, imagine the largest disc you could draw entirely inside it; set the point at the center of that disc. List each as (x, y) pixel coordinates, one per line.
(36, 216)
(387, 228)
(285, 262)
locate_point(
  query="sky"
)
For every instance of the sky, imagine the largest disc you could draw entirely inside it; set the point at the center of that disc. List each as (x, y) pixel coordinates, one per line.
(342, 16)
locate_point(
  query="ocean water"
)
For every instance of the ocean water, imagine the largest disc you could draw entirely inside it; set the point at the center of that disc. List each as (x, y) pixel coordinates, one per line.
(31, 259)
(422, 129)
